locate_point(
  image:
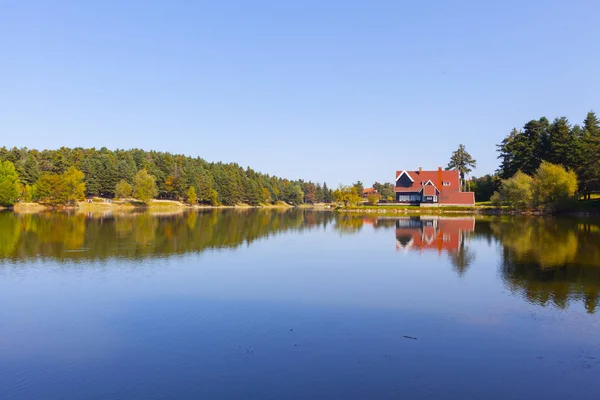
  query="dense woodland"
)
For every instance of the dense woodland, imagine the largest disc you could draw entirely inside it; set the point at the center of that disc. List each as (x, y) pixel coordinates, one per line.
(575, 147)
(103, 170)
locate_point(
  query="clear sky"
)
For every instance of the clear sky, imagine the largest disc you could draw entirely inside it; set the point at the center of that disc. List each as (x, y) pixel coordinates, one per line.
(332, 91)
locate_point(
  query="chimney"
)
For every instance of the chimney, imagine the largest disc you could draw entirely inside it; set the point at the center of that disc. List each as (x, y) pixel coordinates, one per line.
(420, 170)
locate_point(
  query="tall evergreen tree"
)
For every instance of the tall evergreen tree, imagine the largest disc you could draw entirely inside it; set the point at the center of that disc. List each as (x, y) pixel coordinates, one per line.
(462, 161)
(562, 144)
(589, 171)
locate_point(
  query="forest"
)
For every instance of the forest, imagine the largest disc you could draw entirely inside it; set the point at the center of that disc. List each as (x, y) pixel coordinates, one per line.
(574, 147)
(56, 177)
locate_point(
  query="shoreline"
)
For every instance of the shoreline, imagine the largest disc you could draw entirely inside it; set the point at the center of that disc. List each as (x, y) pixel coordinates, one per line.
(131, 205)
(453, 210)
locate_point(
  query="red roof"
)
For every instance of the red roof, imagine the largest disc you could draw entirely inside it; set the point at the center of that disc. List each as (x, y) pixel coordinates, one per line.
(369, 191)
(429, 190)
(459, 198)
(407, 190)
(436, 177)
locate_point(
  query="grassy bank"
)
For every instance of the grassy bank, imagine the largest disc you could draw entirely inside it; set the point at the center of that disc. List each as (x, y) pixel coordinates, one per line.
(100, 205)
(27, 208)
(581, 207)
(391, 210)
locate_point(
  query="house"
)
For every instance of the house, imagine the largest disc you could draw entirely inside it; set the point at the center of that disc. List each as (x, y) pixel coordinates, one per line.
(443, 235)
(368, 192)
(428, 188)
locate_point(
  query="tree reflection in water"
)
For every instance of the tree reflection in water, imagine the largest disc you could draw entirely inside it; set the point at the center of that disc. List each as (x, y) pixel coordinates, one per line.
(545, 260)
(550, 260)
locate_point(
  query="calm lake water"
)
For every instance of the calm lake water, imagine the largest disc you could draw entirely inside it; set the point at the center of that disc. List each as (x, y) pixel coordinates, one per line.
(298, 304)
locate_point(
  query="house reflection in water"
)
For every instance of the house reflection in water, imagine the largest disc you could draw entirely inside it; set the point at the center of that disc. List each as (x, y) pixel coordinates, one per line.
(432, 233)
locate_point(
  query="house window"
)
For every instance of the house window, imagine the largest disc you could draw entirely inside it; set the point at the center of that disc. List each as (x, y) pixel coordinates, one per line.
(446, 183)
(409, 197)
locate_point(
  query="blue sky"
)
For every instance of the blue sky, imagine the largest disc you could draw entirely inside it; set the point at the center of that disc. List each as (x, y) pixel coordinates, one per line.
(332, 91)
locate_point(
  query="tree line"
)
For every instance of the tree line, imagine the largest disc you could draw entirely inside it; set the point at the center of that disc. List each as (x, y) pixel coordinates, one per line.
(68, 174)
(574, 147)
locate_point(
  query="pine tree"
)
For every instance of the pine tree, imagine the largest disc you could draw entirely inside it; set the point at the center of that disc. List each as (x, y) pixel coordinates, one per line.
(462, 161)
(562, 144)
(589, 171)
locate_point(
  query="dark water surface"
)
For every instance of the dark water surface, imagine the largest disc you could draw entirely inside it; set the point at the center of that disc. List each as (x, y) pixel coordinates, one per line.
(298, 304)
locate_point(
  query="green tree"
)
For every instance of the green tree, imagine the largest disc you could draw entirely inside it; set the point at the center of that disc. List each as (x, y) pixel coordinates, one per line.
(553, 184)
(9, 184)
(517, 191)
(61, 189)
(589, 166)
(74, 185)
(485, 186)
(293, 194)
(327, 193)
(29, 170)
(51, 189)
(386, 190)
(213, 197)
(123, 189)
(347, 195)
(191, 196)
(463, 162)
(29, 193)
(144, 186)
(359, 187)
(563, 145)
(524, 150)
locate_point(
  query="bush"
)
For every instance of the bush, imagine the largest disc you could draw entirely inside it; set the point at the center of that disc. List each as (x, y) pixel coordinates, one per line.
(518, 191)
(123, 190)
(553, 185)
(9, 184)
(496, 200)
(373, 199)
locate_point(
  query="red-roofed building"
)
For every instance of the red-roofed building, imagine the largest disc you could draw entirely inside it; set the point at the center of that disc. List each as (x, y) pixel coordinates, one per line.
(369, 191)
(431, 188)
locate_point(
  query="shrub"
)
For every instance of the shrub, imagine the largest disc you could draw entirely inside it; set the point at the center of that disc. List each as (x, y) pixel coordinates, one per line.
(553, 185)
(373, 199)
(123, 189)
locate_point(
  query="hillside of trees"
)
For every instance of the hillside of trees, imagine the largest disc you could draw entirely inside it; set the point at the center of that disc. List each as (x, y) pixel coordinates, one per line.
(575, 147)
(176, 177)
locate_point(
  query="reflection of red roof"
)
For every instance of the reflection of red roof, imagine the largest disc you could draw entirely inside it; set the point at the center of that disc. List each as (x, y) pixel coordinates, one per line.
(441, 234)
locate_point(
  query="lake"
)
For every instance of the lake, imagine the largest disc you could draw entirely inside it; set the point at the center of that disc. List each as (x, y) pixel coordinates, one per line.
(286, 304)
